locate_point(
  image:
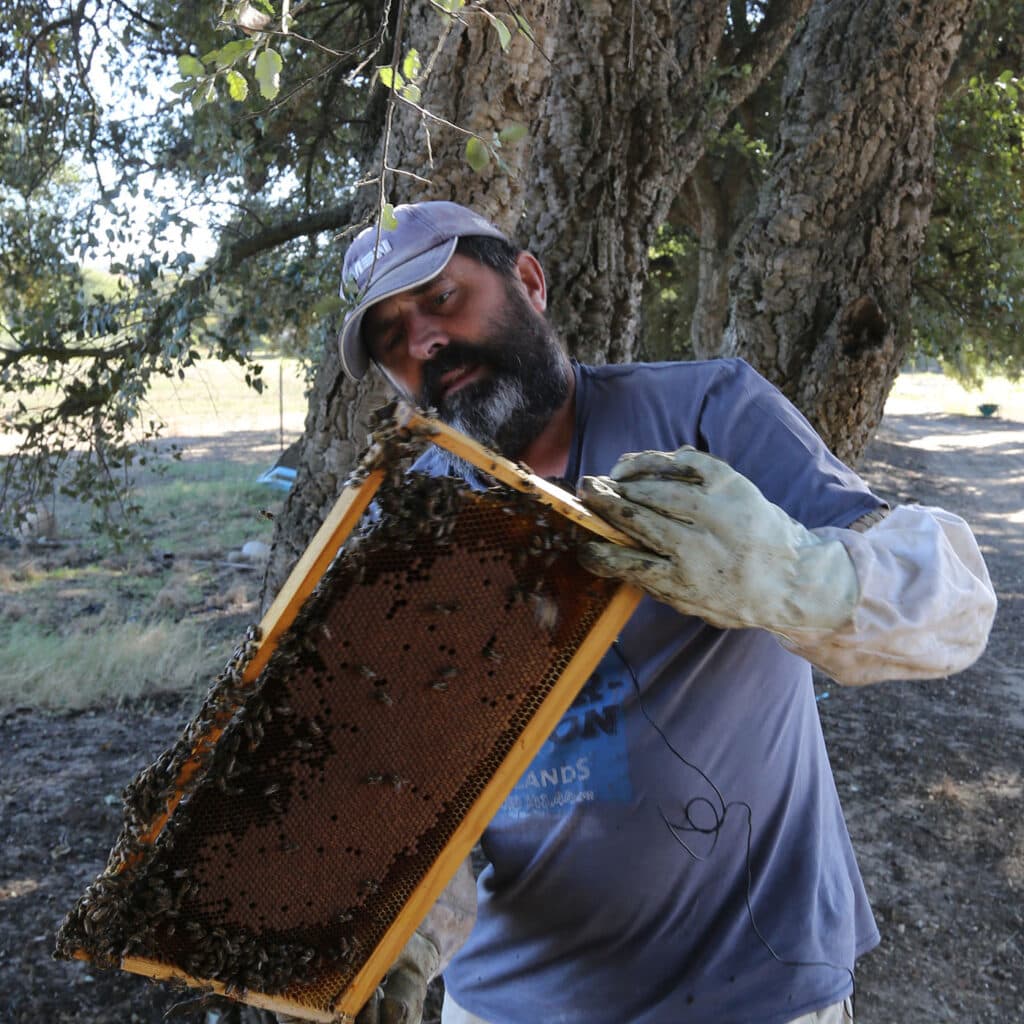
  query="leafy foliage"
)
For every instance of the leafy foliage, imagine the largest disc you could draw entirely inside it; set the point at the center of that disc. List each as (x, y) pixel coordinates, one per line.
(207, 214)
(199, 152)
(969, 285)
(670, 293)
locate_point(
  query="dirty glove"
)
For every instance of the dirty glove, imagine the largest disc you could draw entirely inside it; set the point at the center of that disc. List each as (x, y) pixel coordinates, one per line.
(716, 547)
(400, 996)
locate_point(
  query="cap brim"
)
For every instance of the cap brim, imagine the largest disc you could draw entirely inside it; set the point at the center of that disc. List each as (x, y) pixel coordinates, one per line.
(419, 270)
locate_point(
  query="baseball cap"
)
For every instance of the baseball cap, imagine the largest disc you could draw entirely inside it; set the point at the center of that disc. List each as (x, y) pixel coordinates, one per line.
(402, 257)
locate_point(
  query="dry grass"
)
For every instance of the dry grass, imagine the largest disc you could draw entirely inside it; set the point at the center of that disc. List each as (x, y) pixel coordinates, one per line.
(213, 398)
(101, 664)
(922, 392)
(82, 625)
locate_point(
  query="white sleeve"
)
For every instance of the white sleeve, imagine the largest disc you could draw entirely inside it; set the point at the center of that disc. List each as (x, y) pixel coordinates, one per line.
(925, 604)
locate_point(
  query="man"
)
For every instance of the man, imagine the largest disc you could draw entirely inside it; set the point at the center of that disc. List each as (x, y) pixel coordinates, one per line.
(700, 870)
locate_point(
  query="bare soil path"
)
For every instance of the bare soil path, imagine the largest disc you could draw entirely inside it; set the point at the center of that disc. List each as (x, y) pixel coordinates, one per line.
(931, 775)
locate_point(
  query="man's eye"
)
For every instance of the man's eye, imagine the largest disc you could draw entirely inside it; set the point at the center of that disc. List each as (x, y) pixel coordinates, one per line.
(442, 297)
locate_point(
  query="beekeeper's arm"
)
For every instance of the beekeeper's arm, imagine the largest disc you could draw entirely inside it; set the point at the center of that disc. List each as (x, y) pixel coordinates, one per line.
(907, 597)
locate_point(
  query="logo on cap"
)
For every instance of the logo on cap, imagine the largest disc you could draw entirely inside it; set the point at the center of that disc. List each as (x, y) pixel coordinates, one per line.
(366, 260)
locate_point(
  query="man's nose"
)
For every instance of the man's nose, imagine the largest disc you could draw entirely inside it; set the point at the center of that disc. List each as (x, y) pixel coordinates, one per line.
(425, 336)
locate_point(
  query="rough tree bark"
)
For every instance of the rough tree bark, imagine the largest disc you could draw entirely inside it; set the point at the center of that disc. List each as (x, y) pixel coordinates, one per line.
(471, 83)
(821, 289)
(619, 99)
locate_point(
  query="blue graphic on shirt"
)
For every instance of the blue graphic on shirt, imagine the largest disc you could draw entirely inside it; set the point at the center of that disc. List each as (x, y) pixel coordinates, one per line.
(585, 760)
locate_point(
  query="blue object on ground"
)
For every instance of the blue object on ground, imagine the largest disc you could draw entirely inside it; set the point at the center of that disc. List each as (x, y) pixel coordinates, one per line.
(281, 477)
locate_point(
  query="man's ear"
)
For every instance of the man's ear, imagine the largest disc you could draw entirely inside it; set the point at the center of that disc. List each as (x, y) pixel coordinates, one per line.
(531, 273)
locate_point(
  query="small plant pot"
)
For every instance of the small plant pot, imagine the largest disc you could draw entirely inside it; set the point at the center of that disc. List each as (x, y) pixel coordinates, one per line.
(988, 409)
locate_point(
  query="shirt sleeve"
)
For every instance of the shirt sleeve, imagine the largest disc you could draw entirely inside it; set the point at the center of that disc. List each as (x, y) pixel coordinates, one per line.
(746, 421)
(925, 605)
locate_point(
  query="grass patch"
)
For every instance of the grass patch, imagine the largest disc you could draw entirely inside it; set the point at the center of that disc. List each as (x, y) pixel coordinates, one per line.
(212, 398)
(86, 623)
(103, 664)
(923, 392)
(83, 624)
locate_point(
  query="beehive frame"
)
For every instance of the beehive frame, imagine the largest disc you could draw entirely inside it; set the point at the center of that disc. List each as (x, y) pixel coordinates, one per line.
(402, 427)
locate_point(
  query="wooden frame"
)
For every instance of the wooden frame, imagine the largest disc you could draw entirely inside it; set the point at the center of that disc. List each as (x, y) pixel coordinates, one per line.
(350, 506)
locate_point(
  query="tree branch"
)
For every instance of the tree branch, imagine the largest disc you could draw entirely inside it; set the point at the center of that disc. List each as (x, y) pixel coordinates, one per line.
(764, 48)
(721, 92)
(229, 257)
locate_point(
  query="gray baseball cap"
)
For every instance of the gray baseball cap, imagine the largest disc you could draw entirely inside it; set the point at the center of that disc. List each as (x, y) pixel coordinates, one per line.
(402, 257)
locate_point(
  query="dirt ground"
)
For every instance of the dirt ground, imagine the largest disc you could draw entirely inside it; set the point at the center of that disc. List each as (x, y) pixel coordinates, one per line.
(931, 775)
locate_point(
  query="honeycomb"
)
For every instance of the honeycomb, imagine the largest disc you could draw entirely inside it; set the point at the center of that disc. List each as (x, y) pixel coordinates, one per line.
(343, 771)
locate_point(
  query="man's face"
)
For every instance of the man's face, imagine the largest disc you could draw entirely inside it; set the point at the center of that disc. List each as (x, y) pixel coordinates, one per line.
(472, 345)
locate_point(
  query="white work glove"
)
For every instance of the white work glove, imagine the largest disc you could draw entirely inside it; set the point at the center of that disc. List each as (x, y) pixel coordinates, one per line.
(400, 996)
(716, 547)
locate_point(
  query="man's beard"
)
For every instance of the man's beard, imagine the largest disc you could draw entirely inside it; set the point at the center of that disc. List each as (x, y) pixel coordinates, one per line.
(523, 385)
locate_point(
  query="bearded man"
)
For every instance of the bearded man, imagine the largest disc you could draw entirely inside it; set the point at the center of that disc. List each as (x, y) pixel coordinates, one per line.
(697, 867)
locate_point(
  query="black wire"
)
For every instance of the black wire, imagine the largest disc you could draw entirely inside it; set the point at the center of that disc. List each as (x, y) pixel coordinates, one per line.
(716, 829)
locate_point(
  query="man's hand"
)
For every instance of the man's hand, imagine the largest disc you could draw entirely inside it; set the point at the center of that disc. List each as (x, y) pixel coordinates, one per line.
(399, 998)
(716, 547)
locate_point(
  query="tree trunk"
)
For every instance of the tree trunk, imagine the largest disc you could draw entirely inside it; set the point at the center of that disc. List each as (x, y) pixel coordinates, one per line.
(636, 91)
(471, 83)
(618, 99)
(723, 196)
(820, 295)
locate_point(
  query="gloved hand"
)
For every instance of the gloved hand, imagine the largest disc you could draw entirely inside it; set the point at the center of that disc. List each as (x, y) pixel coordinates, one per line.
(399, 998)
(716, 547)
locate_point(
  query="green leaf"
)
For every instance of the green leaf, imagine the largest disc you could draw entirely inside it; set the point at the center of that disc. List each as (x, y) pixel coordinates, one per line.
(350, 289)
(232, 52)
(411, 65)
(512, 133)
(504, 32)
(388, 220)
(390, 78)
(238, 87)
(190, 67)
(476, 154)
(203, 95)
(268, 73)
(410, 92)
(450, 6)
(180, 87)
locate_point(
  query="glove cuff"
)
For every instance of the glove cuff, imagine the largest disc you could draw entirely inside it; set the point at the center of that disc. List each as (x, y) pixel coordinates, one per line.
(828, 590)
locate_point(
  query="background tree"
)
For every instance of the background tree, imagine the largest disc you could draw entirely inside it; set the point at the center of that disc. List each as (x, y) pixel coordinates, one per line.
(766, 168)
